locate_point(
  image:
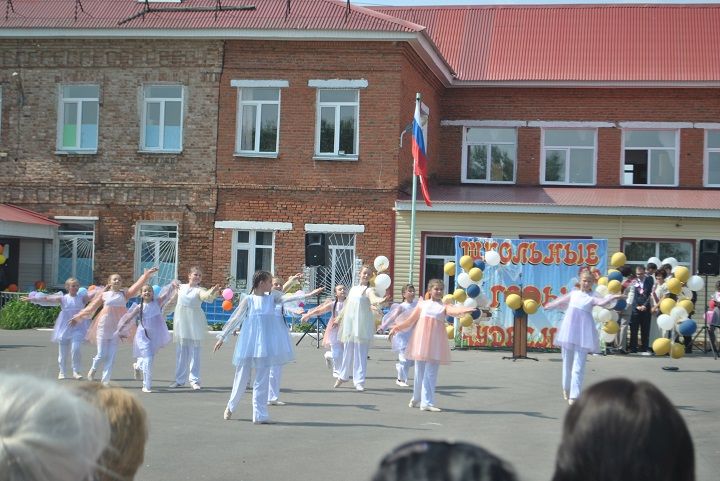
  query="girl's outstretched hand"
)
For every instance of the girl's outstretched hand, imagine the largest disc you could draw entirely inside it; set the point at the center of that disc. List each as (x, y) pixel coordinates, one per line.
(218, 345)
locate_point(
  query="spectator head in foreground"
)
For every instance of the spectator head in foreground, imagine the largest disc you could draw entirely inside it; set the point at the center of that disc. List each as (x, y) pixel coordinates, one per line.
(128, 431)
(442, 461)
(621, 429)
(47, 432)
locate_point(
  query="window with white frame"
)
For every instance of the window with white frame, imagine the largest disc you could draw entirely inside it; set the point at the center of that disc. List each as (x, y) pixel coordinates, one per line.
(78, 118)
(439, 250)
(338, 117)
(712, 154)
(333, 256)
(650, 157)
(258, 120)
(76, 252)
(489, 155)
(157, 245)
(639, 251)
(568, 156)
(162, 121)
(252, 251)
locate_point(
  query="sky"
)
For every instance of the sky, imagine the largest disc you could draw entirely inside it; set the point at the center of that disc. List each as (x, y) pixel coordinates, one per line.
(368, 3)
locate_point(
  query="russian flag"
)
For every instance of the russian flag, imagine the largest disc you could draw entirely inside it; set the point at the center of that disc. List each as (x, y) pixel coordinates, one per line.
(418, 151)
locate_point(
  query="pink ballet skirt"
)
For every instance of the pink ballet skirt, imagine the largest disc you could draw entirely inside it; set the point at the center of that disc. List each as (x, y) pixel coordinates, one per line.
(105, 325)
(331, 333)
(428, 341)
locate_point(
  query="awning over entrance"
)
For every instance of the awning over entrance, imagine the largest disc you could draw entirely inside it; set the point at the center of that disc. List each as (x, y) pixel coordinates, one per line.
(18, 222)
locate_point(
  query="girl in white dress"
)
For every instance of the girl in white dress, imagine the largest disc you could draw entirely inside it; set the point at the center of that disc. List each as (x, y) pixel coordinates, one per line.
(333, 357)
(190, 327)
(103, 329)
(399, 341)
(152, 332)
(262, 343)
(357, 329)
(68, 336)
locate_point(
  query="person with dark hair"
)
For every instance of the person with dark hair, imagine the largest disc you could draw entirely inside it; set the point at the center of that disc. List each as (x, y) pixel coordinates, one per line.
(442, 461)
(658, 443)
(640, 297)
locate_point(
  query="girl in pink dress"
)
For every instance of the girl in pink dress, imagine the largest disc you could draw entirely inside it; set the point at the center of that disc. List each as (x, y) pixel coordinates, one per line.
(334, 354)
(578, 334)
(428, 344)
(103, 329)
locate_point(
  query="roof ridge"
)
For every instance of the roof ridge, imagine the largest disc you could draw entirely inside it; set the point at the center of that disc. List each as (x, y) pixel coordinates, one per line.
(379, 15)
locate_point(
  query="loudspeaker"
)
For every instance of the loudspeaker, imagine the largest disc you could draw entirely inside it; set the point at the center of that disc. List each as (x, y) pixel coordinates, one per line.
(314, 250)
(709, 258)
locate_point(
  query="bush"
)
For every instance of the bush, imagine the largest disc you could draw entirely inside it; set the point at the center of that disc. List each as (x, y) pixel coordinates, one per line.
(24, 315)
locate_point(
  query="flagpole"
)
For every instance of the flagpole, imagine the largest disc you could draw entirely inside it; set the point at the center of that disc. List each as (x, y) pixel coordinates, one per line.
(412, 213)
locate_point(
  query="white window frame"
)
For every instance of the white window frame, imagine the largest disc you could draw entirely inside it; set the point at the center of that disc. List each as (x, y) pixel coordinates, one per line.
(657, 243)
(649, 150)
(250, 246)
(75, 236)
(708, 151)
(568, 150)
(333, 249)
(251, 84)
(144, 227)
(162, 101)
(465, 144)
(337, 84)
(79, 102)
(444, 258)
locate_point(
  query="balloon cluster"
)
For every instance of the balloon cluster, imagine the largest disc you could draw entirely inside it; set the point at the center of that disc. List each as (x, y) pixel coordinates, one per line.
(227, 295)
(469, 292)
(382, 280)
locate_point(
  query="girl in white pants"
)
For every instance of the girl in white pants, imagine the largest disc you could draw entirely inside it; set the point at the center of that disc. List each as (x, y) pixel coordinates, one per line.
(103, 330)
(399, 341)
(262, 343)
(578, 334)
(333, 357)
(428, 343)
(69, 337)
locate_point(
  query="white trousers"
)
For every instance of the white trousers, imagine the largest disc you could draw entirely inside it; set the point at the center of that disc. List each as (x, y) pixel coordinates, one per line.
(274, 383)
(425, 381)
(354, 361)
(145, 364)
(106, 351)
(573, 371)
(73, 346)
(402, 367)
(260, 390)
(337, 349)
(187, 359)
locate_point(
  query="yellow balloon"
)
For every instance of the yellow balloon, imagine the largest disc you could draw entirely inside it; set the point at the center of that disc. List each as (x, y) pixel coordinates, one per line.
(666, 305)
(614, 287)
(448, 299)
(449, 268)
(450, 332)
(530, 306)
(687, 304)
(2, 259)
(611, 327)
(466, 262)
(618, 259)
(475, 274)
(513, 301)
(603, 281)
(677, 350)
(459, 295)
(682, 274)
(661, 346)
(466, 320)
(674, 286)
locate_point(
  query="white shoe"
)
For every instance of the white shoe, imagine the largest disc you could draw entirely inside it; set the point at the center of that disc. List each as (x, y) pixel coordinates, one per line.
(276, 402)
(413, 404)
(146, 390)
(91, 375)
(195, 386)
(61, 376)
(339, 382)
(77, 375)
(176, 384)
(431, 409)
(137, 373)
(401, 383)
(360, 388)
(571, 401)
(328, 362)
(227, 415)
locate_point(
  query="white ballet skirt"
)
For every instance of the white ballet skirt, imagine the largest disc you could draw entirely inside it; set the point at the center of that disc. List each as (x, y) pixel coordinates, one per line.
(152, 333)
(189, 322)
(357, 318)
(69, 306)
(399, 313)
(578, 329)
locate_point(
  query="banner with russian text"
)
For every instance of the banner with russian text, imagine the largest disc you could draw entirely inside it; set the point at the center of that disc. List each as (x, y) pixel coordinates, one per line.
(539, 269)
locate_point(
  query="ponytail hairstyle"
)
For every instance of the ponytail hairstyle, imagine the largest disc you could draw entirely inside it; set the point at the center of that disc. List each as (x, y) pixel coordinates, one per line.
(259, 277)
(336, 299)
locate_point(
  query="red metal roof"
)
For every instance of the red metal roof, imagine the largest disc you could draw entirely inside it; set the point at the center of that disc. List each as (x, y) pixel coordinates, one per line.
(11, 213)
(599, 43)
(268, 15)
(639, 198)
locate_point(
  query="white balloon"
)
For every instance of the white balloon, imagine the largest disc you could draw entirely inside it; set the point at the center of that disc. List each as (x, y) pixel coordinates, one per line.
(695, 283)
(614, 316)
(665, 322)
(380, 292)
(601, 290)
(381, 263)
(470, 302)
(607, 337)
(463, 280)
(670, 260)
(655, 260)
(604, 315)
(382, 282)
(492, 258)
(678, 313)
(595, 312)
